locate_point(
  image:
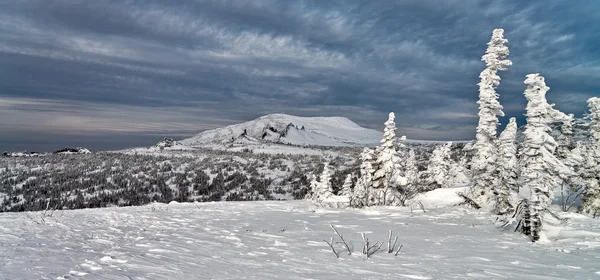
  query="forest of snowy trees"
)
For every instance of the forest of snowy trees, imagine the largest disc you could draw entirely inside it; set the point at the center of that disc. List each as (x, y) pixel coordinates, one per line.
(514, 175)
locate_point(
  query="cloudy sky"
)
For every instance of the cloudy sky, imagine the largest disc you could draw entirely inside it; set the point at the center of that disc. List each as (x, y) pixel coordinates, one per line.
(116, 74)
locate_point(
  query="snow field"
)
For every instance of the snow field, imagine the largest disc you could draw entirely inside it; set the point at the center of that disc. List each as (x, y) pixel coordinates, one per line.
(271, 240)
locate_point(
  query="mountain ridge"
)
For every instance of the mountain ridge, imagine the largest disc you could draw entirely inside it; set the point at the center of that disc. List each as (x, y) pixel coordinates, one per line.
(289, 129)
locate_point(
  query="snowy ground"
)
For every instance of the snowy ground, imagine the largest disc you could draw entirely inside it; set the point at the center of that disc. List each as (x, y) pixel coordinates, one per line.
(284, 240)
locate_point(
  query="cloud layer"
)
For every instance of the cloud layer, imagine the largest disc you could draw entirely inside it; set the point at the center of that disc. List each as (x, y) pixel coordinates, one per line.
(92, 70)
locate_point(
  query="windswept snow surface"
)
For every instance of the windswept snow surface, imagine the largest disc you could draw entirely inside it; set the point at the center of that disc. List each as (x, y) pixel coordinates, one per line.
(283, 240)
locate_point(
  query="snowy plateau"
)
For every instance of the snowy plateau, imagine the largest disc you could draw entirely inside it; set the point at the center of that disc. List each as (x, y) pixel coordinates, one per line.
(284, 240)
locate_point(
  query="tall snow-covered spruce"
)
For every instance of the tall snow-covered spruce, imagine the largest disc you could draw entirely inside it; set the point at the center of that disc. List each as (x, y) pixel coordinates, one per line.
(387, 174)
(347, 186)
(360, 195)
(439, 166)
(591, 195)
(484, 165)
(538, 164)
(507, 162)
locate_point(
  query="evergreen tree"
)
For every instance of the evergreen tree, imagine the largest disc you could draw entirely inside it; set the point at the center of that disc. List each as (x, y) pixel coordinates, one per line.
(411, 171)
(439, 166)
(323, 189)
(591, 196)
(347, 186)
(360, 195)
(507, 162)
(484, 166)
(314, 184)
(561, 125)
(538, 163)
(386, 174)
(576, 161)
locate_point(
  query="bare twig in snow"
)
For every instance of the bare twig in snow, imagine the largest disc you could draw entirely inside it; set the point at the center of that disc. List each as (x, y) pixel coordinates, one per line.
(469, 201)
(398, 251)
(393, 245)
(390, 242)
(368, 250)
(342, 238)
(422, 207)
(376, 249)
(32, 219)
(364, 251)
(330, 243)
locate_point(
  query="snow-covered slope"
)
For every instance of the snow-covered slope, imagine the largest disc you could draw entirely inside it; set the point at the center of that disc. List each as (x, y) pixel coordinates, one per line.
(287, 129)
(284, 240)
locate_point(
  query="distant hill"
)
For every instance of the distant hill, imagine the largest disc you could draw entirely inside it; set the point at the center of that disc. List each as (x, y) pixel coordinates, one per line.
(73, 150)
(288, 129)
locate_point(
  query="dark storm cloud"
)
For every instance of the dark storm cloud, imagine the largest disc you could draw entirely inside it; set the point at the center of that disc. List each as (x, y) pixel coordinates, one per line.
(99, 68)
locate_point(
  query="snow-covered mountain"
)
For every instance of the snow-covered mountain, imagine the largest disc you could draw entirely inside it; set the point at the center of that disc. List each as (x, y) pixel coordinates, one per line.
(287, 129)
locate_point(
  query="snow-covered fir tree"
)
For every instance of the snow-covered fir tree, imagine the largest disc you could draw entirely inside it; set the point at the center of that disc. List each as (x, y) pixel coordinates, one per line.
(458, 174)
(507, 162)
(561, 126)
(362, 188)
(347, 186)
(411, 171)
(468, 153)
(576, 161)
(402, 153)
(312, 187)
(387, 162)
(322, 189)
(538, 163)
(591, 195)
(439, 166)
(484, 165)
(411, 174)
(386, 176)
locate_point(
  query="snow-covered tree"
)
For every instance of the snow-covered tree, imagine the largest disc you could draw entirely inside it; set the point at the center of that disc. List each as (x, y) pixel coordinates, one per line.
(439, 166)
(387, 169)
(411, 174)
(386, 162)
(347, 186)
(411, 171)
(313, 187)
(538, 163)
(561, 125)
(363, 184)
(484, 166)
(324, 189)
(507, 163)
(321, 190)
(591, 196)
(575, 159)
(402, 152)
(466, 159)
(459, 174)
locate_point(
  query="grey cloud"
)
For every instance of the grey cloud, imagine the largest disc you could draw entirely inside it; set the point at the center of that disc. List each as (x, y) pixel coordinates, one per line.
(360, 59)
